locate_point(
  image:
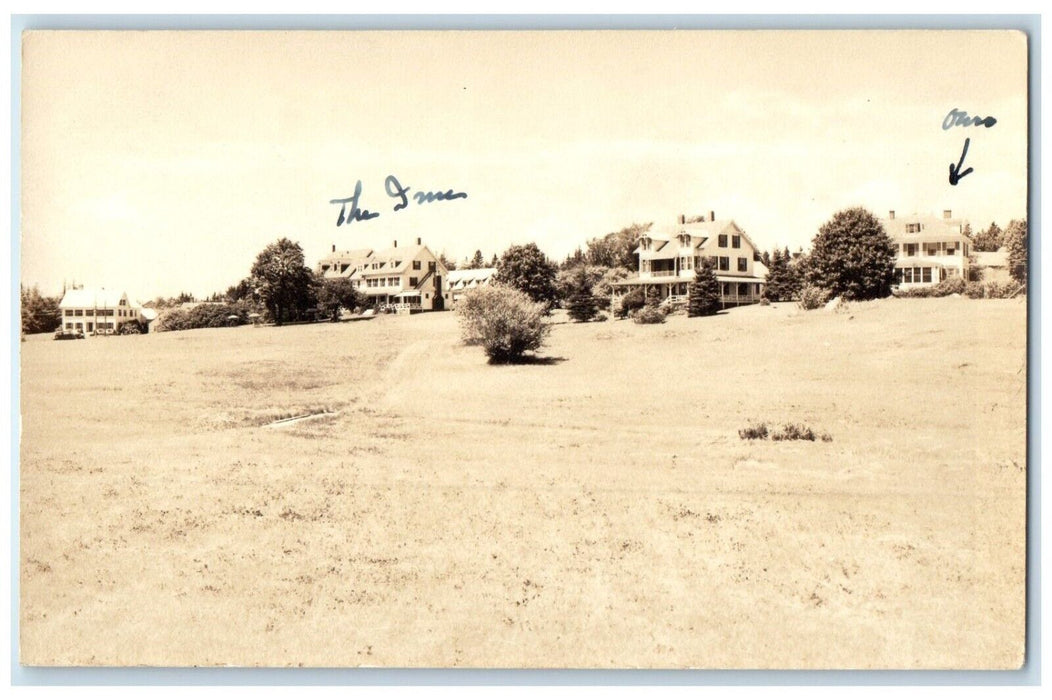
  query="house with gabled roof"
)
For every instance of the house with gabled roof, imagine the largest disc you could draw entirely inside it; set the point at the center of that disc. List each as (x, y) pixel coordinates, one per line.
(407, 279)
(461, 281)
(928, 249)
(97, 311)
(669, 256)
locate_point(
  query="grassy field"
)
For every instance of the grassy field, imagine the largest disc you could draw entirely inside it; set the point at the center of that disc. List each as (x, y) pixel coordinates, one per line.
(597, 510)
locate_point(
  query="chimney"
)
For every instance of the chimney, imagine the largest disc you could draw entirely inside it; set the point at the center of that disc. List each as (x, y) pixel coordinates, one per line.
(682, 219)
(418, 241)
(891, 214)
(947, 213)
(712, 216)
(396, 244)
(334, 247)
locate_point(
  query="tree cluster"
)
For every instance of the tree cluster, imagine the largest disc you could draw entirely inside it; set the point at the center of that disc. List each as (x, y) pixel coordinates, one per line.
(40, 314)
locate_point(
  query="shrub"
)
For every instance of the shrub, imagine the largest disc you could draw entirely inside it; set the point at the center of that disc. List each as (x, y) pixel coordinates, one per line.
(765, 301)
(950, 285)
(974, 290)
(130, 328)
(600, 317)
(1001, 291)
(504, 321)
(649, 314)
(754, 432)
(812, 297)
(632, 301)
(794, 431)
(204, 315)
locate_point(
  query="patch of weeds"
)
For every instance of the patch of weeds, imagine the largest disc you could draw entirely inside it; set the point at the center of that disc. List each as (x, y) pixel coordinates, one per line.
(790, 431)
(794, 431)
(754, 432)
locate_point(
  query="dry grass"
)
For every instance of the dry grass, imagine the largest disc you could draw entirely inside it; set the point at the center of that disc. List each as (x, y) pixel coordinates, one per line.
(595, 512)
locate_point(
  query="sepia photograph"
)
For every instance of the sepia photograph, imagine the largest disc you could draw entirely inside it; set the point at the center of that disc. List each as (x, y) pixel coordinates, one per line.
(586, 349)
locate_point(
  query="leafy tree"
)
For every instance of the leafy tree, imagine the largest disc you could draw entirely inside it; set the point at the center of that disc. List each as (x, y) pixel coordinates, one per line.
(604, 288)
(989, 240)
(852, 256)
(1015, 240)
(243, 290)
(335, 293)
(40, 314)
(615, 249)
(526, 268)
(504, 321)
(286, 286)
(566, 280)
(580, 303)
(704, 291)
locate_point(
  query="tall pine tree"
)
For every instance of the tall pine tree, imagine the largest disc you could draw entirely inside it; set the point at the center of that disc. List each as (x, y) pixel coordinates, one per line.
(704, 291)
(581, 304)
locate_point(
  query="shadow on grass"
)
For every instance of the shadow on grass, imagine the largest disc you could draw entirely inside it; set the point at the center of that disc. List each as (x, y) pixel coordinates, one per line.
(530, 360)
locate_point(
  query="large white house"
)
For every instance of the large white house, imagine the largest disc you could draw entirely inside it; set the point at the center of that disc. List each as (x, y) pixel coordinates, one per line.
(929, 249)
(97, 311)
(410, 278)
(667, 259)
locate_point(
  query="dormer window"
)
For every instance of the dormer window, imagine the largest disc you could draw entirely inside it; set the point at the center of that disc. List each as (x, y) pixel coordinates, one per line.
(913, 228)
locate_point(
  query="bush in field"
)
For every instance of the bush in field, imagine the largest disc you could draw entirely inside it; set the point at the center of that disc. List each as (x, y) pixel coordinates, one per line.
(504, 321)
(793, 431)
(754, 432)
(632, 301)
(649, 314)
(813, 298)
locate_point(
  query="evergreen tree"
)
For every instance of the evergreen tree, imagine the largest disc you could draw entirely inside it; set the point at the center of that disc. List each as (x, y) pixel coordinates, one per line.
(852, 256)
(581, 304)
(704, 291)
(989, 240)
(765, 258)
(1015, 240)
(476, 262)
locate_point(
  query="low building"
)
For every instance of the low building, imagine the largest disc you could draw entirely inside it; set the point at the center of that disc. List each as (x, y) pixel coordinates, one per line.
(461, 281)
(97, 311)
(991, 266)
(928, 249)
(407, 279)
(668, 258)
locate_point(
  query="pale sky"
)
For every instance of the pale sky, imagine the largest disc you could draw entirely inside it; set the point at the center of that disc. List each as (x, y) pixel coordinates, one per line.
(158, 162)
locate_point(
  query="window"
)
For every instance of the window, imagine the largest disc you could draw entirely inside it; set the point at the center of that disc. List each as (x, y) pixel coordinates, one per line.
(91, 312)
(123, 302)
(416, 264)
(743, 289)
(78, 312)
(68, 312)
(743, 264)
(392, 282)
(911, 249)
(432, 266)
(907, 275)
(736, 241)
(723, 240)
(383, 282)
(412, 281)
(926, 274)
(725, 263)
(913, 228)
(686, 263)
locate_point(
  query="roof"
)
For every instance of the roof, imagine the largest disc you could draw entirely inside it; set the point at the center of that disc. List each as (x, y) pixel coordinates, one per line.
(465, 276)
(998, 258)
(703, 234)
(933, 228)
(91, 298)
